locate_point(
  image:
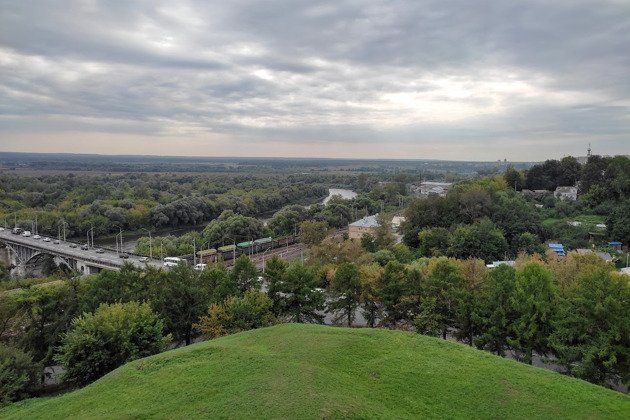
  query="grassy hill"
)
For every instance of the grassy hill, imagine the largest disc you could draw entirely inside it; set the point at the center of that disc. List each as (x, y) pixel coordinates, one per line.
(295, 371)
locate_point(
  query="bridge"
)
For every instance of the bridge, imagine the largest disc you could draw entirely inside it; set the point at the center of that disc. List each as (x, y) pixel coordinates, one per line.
(21, 252)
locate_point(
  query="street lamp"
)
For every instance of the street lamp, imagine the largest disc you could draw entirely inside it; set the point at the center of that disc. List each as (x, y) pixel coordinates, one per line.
(150, 243)
(121, 239)
(64, 224)
(88, 237)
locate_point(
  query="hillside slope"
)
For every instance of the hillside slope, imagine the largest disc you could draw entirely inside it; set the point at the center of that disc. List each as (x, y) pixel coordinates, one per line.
(296, 371)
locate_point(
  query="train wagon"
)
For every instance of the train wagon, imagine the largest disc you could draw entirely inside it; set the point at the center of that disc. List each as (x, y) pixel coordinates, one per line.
(229, 251)
(207, 255)
(262, 244)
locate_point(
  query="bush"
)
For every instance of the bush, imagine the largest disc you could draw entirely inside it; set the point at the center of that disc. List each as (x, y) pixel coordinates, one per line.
(110, 337)
(19, 375)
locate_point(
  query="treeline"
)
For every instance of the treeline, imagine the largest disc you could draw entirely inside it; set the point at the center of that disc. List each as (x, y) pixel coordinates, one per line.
(572, 310)
(143, 201)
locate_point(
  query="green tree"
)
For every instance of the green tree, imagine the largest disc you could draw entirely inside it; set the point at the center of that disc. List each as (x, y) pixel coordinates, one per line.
(181, 295)
(302, 301)
(438, 309)
(346, 289)
(313, 232)
(533, 300)
(433, 242)
(497, 313)
(591, 335)
(618, 223)
(390, 290)
(481, 240)
(244, 274)
(252, 310)
(110, 337)
(19, 375)
(275, 271)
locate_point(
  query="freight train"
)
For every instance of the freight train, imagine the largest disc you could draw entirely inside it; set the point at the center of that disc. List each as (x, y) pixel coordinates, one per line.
(229, 252)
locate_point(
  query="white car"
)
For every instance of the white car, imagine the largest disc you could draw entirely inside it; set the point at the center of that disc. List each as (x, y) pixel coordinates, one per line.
(37, 237)
(46, 239)
(1, 229)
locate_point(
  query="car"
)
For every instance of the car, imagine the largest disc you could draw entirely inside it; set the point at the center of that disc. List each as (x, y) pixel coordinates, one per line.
(123, 256)
(37, 237)
(143, 259)
(26, 233)
(1, 229)
(56, 242)
(46, 239)
(85, 247)
(100, 251)
(72, 245)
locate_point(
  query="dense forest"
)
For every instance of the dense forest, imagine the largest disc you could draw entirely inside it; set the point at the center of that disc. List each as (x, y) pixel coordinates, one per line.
(571, 311)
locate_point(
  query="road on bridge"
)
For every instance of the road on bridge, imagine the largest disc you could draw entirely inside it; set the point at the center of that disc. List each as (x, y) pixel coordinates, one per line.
(70, 249)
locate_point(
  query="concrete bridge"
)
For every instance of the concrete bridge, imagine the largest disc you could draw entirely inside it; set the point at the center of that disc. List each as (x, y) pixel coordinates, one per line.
(21, 252)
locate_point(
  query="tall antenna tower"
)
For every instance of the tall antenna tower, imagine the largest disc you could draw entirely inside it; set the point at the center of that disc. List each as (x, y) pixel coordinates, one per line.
(588, 151)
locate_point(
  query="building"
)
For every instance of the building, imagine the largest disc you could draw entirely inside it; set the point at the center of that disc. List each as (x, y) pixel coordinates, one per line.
(566, 193)
(362, 226)
(427, 188)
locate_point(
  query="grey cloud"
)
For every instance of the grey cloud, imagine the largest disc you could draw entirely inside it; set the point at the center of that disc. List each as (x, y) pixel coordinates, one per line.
(401, 71)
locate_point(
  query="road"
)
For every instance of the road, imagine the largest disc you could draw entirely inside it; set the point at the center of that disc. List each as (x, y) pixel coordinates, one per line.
(65, 249)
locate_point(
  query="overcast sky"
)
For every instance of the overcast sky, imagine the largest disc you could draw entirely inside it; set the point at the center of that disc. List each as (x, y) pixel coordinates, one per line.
(417, 79)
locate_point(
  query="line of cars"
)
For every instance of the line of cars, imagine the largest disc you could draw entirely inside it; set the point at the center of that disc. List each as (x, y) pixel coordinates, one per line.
(84, 247)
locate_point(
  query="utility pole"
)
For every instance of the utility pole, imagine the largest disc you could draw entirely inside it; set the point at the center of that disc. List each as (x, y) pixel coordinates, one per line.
(194, 253)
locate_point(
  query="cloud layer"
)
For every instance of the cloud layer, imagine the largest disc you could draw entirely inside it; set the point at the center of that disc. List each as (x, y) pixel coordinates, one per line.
(482, 80)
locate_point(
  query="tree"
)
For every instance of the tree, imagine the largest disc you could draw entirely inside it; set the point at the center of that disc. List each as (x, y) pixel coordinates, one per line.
(252, 310)
(433, 242)
(274, 273)
(244, 274)
(389, 291)
(592, 328)
(99, 342)
(533, 300)
(313, 232)
(618, 223)
(437, 312)
(302, 301)
(513, 178)
(497, 313)
(481, 240)
(346, 289)
(19, 375)
(181, 295)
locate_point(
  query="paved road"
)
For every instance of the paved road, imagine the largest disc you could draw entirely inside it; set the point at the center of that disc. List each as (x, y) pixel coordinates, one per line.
(108, 257)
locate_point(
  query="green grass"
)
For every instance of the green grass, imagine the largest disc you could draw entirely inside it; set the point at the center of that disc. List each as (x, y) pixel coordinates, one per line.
(294, 371)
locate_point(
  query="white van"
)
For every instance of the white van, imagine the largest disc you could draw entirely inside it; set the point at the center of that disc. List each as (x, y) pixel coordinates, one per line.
(26, 233)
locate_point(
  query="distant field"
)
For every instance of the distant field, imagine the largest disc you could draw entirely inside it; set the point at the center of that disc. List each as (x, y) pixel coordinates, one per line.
(295, 371)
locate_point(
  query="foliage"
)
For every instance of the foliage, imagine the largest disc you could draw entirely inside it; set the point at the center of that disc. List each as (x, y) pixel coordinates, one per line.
(181, 295)
(533, 300)
(437, 312)
(592, 328)
(303, 302)
(115, 334)
(244, 275)
(346, 292)
(312, 232)
(252, 310)
(19, 375)
(481, 240)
